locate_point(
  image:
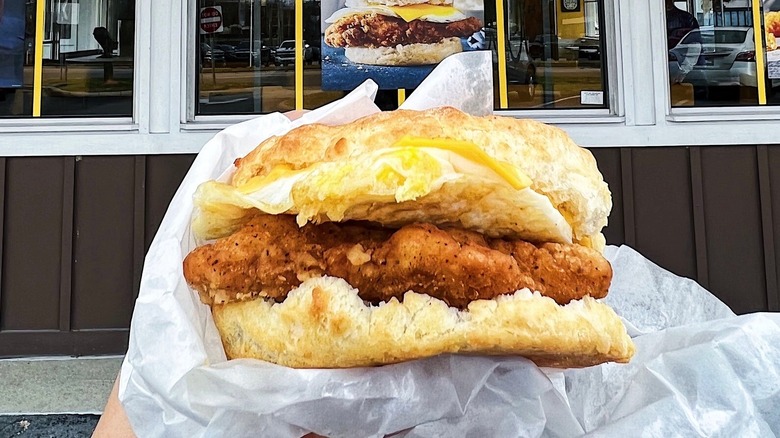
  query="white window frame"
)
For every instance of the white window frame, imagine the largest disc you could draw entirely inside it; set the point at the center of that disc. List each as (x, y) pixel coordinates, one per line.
(163, 121)
(615, 111)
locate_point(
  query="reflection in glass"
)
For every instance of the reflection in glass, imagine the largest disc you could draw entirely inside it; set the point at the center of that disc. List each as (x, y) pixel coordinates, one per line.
(247, 66)
(553, 53)
(712, 54)
(87, 58)
(88, 53)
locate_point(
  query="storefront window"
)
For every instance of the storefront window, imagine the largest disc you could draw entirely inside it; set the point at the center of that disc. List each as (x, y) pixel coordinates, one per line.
(88, 58)
(553, 54)
(246, 61)
(720, 55)
(66, 58)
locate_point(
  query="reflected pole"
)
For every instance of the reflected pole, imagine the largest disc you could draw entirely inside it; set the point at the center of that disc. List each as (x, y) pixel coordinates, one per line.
(257, 35)
(547, 96)
(213, 52)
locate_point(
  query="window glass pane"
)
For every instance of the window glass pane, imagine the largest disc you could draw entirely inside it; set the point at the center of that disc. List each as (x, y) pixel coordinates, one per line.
(553, 55)
(554, 51)
(246, 60)
(246, 65)
(712, 53)
(88, 58)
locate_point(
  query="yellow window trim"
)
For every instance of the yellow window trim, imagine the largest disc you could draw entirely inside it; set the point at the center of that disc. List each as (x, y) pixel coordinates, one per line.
(299, 48)
(758, 36)
(501, 47)
(40, 17)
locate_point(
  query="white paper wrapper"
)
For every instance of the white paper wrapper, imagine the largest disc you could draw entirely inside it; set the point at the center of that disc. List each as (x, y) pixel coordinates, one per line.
(653, 298)
(464, 81)
(699, 370)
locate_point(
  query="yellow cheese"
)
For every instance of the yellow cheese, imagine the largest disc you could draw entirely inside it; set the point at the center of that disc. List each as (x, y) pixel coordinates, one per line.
(466, 149)
(414, 12)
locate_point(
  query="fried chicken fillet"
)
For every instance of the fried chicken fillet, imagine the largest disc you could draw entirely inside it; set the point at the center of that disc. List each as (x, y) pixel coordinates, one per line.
(271, 255)
(370, 29)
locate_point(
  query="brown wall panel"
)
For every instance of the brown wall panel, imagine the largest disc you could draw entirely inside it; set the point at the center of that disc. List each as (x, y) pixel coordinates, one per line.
(32, 240)
(663, 215)
(164, 173)
(608, 160)
(773, 153)
(733, 221)
(103, 278)
(74, 231)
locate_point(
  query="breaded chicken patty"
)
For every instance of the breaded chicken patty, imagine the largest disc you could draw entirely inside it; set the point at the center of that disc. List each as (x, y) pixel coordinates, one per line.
(271, 255)
(369, 29)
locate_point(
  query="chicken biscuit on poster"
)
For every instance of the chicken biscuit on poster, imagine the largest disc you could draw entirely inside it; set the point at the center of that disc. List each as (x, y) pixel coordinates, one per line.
(396, 43)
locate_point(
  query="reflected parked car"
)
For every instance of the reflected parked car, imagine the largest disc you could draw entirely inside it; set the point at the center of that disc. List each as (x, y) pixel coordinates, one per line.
(719, 56)
(520, 70)
(207, 54)
(588, 51)
(543, 46)
(227, 49)
(285, 53)
(243, 52)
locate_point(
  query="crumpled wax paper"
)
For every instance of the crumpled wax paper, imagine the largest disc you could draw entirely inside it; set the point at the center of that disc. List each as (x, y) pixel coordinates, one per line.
(464, 81)
(699, 370)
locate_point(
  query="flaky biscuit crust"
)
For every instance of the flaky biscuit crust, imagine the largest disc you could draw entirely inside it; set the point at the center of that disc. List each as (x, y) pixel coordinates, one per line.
(324, 324)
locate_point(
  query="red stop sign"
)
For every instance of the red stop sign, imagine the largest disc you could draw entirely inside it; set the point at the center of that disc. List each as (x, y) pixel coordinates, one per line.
(210, 20)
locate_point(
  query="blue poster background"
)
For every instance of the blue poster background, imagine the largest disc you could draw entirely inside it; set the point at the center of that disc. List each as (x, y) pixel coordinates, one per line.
(339, 73)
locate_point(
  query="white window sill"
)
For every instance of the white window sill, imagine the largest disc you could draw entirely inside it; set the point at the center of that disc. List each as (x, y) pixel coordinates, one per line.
(35, 125)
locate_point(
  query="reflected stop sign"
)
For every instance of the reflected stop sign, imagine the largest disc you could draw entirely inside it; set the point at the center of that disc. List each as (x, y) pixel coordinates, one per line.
(210, 20)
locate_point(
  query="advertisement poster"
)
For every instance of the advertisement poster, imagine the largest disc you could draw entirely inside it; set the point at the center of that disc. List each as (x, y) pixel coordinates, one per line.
(772, 25)
(12, 27)
(397, 43)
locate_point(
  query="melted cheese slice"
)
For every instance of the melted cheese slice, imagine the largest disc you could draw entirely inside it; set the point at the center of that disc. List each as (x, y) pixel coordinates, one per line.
(468, 150)
(432, 13)
(281, 171)
(417, 12)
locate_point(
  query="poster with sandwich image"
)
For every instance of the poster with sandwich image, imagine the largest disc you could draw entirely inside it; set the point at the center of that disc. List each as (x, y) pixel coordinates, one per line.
(396, 43)
(772, 36)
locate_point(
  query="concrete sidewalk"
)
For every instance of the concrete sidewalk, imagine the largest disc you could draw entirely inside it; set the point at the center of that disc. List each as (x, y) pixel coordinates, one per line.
(60, 397)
